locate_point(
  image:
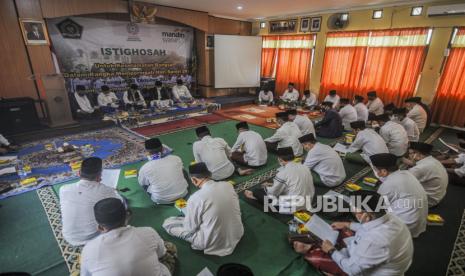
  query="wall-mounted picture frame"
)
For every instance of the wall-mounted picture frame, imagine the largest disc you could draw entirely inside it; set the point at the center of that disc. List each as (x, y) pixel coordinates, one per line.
(315, 24)
(209, 42)
(283, 26)
(34, 31)
(304, 25)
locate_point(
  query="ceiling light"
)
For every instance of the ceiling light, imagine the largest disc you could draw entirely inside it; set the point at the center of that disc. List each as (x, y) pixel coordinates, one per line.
(377, 14)
(240, 7)
(262, 25)
(416, 11)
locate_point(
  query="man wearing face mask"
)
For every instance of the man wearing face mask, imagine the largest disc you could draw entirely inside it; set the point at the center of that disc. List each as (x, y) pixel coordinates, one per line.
(292, 179)
(394, 135)
(428, 170)
(407, 198)
(416, 112)
(456, 164)
(361, 108)
(399, 115)
(331, 124)
(212, 221)
(382, 244)
(287, 135)
(375, 104)
(162, 177)
(367, 140)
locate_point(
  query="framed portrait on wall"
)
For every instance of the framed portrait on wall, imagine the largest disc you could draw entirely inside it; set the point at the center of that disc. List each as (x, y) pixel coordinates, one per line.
(304, 25)
(283, 26)
(34, 31)
(315, 24)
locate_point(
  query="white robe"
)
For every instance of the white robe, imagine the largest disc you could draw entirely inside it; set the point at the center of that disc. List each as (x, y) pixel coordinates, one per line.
(305, 124)
(84, 103)
(369, 142)
(311, 100)
(288, 136)
(212, 221)
(327, 163)
(460, 171)
(407, 199)
(291, 96)
(253, 146)
(108, 99)
(348, 115)
(140, 102)
(214, 152)
(412, 129)
(433, 177)
(419, 116)
(376, 106)
(396, 138)
(362, 112)
(180, 93)
(265, 96)
(4, 141)
(334, 99)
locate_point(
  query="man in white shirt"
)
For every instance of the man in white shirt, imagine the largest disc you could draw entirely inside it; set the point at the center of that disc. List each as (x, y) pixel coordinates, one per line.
(160, 97)
(324, 161)
(287, 135)
(375, 105)
(332, 97)
(125, 250)
(162, 177)
(416, 113)
(107, 100)
(407, 198)
(394, 135)
(77, 202)
(85, 109)
(212, 221)
(133, 97)
(429, 171)
(309, 99)
(180, 92)
(290, 94)
(292, 188)
(215, 152)
(382, 244)
(249, 149)
(348, 113)
(456, 164)
(302, 121)
(361, 108)
(367, 140)
(265, 96)
(400, 116)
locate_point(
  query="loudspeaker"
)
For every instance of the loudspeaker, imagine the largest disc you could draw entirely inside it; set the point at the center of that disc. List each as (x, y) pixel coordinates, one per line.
(18, 115)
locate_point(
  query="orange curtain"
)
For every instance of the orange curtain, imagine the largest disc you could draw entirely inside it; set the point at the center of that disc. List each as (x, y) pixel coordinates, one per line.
(449, 104)
(343, 66)
(268, 56)
(393, 67)
(293, 63)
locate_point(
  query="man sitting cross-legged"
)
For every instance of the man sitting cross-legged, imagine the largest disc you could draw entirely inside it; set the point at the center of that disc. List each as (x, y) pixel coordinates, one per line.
(212, 221)
(249, 149)
(382, 244)
(162, 177)
(125, 250)
(292, 180)
(331, 124)
(429, 171)
(287, 135)
(324, 161)
(394, 134)
(367, 140)
(456, 164)
(77, 202)
(406, 196)
(302, 121)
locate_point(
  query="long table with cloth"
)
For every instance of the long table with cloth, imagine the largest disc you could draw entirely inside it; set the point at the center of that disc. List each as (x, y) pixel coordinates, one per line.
(31, 239)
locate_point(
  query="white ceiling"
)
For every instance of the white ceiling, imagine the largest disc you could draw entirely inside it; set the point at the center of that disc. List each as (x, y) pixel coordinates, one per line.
(258, 9)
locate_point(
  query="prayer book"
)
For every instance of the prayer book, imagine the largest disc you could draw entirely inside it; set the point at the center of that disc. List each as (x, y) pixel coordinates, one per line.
(353, 187)
(322, 229)
(205, 272)
(435, 220)
(110, 177)
(130, 174)
(7, 170)
(180, 204)
(370, 181)
(28, 181)
(449, 146)
(7, 160)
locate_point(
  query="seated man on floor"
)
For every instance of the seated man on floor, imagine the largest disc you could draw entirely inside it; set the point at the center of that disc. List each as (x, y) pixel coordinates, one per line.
(287, 135)
(292, 180)
(324, 161)
(361, 108)
(333, 97)
(125, 250)
(407, 198)
(429, 171)
(77, 202)
(160, 96)
(367, 140)
(394, 135)
(181, 93)
(133, 98)
(265, 96)
(382, 244)
(302, 121)
(348, 113)
(249, 149)
(212, 221)
(375, 104)
(331, 124)
(107, 100)
(416, 112)
(6, 146)
(456, 164)
(290, 94)
(309, 100)
(84, 108)
(215, 152)
(400, 116)
(163, 176)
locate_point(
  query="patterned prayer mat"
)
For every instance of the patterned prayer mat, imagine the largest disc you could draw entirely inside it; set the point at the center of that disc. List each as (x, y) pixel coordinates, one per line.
(114, 145)
(457, 258)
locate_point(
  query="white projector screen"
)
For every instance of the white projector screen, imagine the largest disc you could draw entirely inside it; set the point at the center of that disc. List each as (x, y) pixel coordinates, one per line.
(237, 61)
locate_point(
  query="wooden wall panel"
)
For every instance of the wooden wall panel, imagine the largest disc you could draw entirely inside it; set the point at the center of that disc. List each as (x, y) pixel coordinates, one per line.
(196, 19)
(13, 56)
(58, 8)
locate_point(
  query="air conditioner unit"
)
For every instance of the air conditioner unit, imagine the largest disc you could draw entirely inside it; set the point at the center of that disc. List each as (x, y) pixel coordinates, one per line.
(444, 10)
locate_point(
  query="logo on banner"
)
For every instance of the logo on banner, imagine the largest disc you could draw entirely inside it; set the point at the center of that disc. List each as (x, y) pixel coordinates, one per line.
(133, 31)
(70, 29)
(173, 37)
